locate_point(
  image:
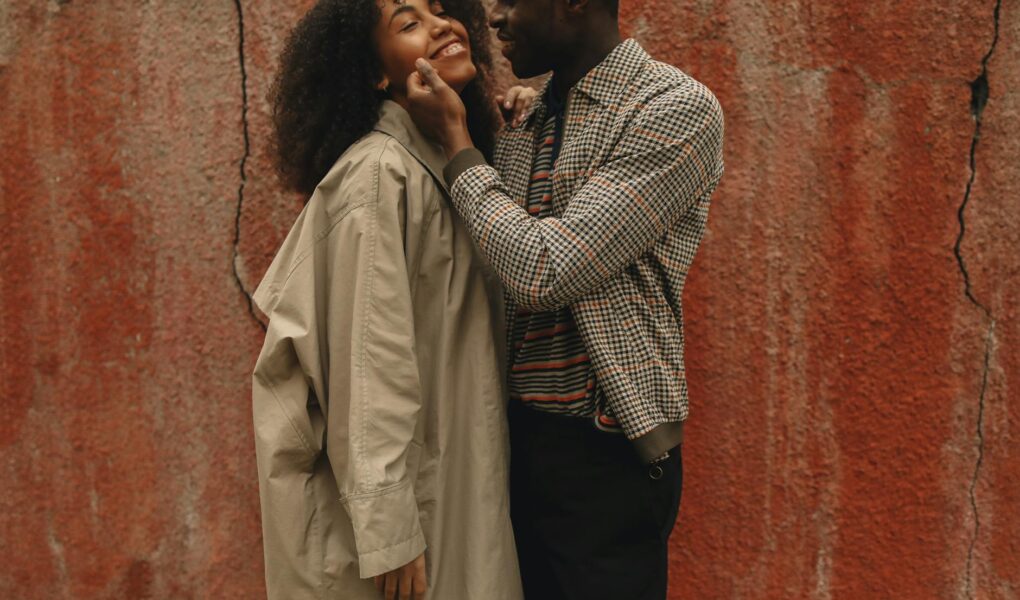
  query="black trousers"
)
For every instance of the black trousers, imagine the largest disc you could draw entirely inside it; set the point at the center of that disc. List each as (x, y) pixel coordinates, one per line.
(590, 520)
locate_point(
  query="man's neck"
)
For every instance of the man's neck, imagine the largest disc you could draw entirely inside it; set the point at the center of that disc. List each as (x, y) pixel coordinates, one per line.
(592, 51)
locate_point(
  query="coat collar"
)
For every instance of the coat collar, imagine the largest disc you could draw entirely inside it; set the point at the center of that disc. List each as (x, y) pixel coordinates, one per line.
(395, 122)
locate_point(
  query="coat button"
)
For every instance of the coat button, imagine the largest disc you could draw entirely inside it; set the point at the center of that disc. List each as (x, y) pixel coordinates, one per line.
(655, 472)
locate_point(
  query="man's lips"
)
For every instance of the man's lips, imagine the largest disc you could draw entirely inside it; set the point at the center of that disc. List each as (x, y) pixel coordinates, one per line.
(450, 48)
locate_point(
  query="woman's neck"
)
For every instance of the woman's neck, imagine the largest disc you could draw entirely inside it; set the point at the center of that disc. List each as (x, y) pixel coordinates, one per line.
(400, 99)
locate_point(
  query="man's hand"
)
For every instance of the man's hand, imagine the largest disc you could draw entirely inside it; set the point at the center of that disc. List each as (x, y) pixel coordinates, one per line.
(515, 103)
(437, 109)
(406, 583)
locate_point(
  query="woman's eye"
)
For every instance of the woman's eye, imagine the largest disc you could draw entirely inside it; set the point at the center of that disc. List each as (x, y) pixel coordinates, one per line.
(409, 26)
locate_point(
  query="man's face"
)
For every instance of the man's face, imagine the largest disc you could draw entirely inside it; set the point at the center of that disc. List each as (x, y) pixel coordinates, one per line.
(526, 29)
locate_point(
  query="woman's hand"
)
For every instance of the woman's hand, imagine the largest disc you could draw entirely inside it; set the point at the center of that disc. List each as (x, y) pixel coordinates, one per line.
(515, 103)
(406, 583)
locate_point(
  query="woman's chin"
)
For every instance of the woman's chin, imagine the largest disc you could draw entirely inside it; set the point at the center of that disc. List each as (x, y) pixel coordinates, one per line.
(459, 76)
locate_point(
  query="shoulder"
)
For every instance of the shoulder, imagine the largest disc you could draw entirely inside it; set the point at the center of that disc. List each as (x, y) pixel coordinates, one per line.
(664, 91)
(373, 172)
(668, 107)
(373, 164)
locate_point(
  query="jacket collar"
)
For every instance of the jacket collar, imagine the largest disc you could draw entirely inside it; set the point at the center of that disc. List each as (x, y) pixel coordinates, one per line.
(396, 123)
(607, 80)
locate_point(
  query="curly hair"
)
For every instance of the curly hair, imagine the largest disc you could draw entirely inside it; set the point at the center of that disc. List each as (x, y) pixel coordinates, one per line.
(324, 97)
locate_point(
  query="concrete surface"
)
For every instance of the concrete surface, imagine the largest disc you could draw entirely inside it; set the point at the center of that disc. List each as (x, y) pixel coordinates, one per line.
(852, 317)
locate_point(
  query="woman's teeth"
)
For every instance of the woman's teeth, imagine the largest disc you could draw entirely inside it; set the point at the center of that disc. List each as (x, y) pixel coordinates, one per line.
(454, 48)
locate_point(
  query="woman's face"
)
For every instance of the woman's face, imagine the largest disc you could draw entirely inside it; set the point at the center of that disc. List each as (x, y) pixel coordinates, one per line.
(413, 29)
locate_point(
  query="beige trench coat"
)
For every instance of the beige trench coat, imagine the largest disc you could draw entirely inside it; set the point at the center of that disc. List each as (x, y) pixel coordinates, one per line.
(378, 401)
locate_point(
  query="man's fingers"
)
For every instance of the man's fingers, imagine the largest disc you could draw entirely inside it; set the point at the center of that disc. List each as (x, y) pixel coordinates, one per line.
(428, 73)
(502, 108)
(511, 97)
(520, 106)
(416, 85)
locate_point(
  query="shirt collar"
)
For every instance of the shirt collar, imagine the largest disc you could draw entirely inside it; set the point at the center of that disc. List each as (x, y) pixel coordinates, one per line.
(396, 123)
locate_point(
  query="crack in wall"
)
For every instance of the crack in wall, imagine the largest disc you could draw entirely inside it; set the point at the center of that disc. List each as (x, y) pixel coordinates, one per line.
(989, 342)
(236, 256)
(980, 92)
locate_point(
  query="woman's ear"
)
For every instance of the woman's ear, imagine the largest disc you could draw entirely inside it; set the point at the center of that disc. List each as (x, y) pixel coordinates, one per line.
(383, 85)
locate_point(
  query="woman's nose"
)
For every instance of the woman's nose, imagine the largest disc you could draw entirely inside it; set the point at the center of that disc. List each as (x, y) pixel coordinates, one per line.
(440, 27)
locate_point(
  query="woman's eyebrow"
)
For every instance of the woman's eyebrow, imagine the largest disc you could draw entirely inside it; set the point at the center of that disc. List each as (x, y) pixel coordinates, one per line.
(404, 8)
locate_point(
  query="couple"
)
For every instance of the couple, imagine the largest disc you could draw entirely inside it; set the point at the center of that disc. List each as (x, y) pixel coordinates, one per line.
(421, 286)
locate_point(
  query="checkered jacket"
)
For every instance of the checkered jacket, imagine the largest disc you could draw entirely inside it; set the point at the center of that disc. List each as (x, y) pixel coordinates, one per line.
(641, 155)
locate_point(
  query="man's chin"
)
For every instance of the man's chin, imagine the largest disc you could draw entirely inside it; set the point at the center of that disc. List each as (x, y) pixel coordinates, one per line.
(522, 70)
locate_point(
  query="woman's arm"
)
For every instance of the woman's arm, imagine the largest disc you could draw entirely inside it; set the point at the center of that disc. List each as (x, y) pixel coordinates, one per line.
(372, 366)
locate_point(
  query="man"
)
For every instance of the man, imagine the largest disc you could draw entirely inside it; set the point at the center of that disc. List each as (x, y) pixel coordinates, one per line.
(591, 218)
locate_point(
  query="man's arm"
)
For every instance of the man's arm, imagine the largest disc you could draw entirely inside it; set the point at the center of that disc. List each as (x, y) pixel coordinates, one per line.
(668, 159)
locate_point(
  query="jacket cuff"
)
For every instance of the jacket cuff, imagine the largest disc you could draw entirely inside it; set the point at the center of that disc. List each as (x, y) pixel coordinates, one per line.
(464, 160)
(387, 531)
(661, 439)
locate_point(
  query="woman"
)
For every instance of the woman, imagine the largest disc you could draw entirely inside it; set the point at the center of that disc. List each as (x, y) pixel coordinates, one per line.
(378, 402)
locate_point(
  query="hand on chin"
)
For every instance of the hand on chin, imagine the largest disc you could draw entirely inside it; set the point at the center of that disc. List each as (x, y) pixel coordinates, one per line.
(437, 108)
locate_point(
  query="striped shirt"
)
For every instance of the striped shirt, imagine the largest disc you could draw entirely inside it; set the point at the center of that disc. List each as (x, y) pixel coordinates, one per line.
(550, 367)
(641, 156)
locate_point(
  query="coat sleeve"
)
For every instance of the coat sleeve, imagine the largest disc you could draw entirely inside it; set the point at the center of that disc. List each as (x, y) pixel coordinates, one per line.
(373, 387)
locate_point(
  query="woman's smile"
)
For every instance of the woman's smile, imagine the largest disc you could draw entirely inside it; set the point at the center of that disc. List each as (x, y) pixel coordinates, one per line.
(451, 48)
(409, 30)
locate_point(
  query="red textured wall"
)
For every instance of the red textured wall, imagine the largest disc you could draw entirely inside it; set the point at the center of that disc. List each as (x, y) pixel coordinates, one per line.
(854, 347)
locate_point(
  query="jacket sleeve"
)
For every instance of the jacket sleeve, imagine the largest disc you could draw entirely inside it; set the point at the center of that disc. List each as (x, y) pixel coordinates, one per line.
(669, 158)
(373, 382)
